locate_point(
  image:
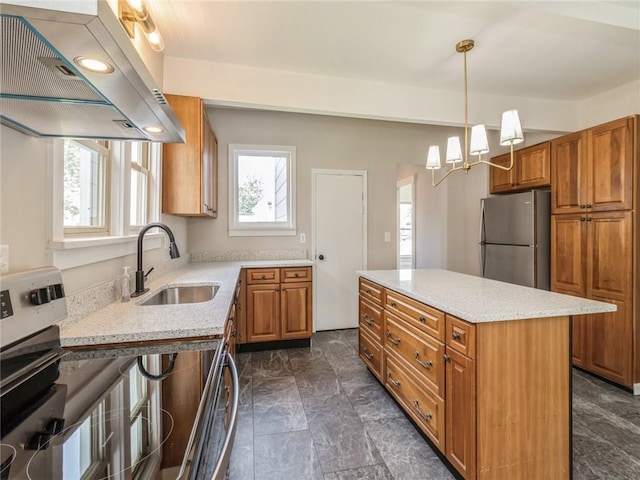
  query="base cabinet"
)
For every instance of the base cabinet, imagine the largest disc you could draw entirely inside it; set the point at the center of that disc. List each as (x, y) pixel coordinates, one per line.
(493, 397)
(278, 304)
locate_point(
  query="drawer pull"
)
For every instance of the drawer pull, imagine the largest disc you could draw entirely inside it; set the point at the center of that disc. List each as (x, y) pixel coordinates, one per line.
(394, 383)
(425, 416)
(263, 276)
(428, 364)
(395, 341)
(296, 275)
(393, 304)
(368, 320)
(446, 357)
(368, 291)
(367, 353)
(422, 319)
(455, 336)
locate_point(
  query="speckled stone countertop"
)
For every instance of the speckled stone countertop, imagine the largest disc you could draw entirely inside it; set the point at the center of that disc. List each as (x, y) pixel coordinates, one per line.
(477, 299)
(127, 322)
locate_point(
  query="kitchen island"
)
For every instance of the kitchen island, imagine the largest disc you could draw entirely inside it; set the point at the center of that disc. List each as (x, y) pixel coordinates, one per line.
(482, 367)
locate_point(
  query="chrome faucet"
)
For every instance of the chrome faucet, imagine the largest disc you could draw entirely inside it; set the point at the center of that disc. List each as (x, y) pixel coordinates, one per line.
(173, 253)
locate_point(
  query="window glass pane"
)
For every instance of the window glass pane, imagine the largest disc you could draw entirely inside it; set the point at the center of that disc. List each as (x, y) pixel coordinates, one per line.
(137, 441)
(85, 447)
(139, 184)
(84, 186)
(262, 189)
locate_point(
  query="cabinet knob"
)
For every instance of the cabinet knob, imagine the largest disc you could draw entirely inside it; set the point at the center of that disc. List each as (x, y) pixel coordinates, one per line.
(589, 219)
(583, 206)
(446, 357)
(582, 219)
(393, 304)
(588, 206)
(455, 336)
(296, 275)
(263, 277)
(422, 319)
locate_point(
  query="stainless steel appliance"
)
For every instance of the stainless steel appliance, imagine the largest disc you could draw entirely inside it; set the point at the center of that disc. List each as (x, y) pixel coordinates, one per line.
(106, 413)
(514, 244)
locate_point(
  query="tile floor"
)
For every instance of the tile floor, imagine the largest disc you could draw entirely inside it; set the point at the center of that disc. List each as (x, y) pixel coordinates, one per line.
(317, 413)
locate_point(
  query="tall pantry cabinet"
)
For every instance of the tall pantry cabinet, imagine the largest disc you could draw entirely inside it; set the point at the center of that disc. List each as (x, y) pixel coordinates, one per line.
(595, 202)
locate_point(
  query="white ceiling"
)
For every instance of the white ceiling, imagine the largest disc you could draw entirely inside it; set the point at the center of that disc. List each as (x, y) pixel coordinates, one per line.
(567, 50)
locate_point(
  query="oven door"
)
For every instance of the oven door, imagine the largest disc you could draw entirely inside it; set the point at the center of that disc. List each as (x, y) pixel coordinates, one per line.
(215, 426)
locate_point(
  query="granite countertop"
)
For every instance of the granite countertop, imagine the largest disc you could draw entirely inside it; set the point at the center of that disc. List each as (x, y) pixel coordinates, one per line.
(477, 299)
(129, 322)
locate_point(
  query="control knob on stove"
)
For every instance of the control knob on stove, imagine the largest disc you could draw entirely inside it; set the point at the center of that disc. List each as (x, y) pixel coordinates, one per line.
(40, 296)
(40, 441)
(55, 426)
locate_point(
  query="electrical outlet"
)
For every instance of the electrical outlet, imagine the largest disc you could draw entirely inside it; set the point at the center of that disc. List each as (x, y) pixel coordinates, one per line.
(303, 238)
(4, 258)
(387, 237)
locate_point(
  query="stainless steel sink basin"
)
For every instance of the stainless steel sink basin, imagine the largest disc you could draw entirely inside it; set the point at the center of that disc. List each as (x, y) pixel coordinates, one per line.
(182, 294)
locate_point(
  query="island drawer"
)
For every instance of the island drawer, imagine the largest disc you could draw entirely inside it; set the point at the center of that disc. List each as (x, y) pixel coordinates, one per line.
(263, 275)
(461, 336)
(371, 354)
(426, 408)
(371, 291)
(295, 274)
(422, 353)
(371, 319)
(417, 314)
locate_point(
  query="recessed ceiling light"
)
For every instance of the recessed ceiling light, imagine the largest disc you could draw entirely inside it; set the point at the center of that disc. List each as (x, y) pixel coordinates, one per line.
(93, 64)
(153, 129)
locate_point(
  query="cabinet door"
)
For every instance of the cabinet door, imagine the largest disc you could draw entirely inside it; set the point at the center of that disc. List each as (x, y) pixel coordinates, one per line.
(209, 169)
(263, 313)
(611, 165)
(295, 313)
(568, 251)
(610, 342)
(569, 173)
(579, 355)
(534, 166)
(609, 255)
(460, 407)
(501, 180)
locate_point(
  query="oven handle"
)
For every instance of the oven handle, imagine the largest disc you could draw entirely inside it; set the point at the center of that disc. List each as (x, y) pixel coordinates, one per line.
(222, 464)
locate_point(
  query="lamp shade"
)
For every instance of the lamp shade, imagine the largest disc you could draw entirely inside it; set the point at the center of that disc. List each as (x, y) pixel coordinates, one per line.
(511, 130)
(454, 152)
(479, 143)
(433, 158)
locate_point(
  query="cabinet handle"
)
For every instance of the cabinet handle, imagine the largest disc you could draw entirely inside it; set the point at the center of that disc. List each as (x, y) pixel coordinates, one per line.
(589, 219)
(368, 291)
(455, 336)
(582, 219)
(446, 357)
(393, 304)
(263, 277)
(422, 319)
(588, 206)
(296, 275)
(428, 364)
(425, 416)
(394, 383)
(367, 319)
(366, 353)
(395, 341)
(583, 206)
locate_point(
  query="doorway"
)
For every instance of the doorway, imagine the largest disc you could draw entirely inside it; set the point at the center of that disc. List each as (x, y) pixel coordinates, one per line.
(406, 215)
(339, 248)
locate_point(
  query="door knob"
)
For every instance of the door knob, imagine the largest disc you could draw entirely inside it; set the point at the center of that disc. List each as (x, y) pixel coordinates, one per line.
(320, 257)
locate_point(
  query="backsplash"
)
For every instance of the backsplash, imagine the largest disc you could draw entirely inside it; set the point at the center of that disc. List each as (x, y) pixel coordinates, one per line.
(240, 255)
(91, 299)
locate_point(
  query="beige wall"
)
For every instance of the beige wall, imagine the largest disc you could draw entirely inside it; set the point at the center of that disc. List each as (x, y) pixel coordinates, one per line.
(321, 142)
(23, 206)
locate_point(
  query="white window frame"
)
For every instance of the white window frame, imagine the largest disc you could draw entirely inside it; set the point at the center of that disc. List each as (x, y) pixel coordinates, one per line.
(121, 240)
(259, 229)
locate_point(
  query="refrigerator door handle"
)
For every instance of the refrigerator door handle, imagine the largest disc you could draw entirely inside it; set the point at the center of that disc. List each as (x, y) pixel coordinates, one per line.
(481, 242)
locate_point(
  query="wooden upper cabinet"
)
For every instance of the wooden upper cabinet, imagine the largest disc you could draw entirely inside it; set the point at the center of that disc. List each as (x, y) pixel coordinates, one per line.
(190, 169)
(611, 165)
(531, 169)
(593, 169)
(569, 173)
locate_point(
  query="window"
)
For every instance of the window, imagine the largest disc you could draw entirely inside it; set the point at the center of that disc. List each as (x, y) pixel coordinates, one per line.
(139, 427)
(102, 193)
(85, 187)
(262, 190)
(140, 174)
(83, 452)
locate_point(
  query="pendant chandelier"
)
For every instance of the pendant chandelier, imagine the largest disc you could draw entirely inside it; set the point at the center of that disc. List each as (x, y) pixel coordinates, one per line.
(510, 134)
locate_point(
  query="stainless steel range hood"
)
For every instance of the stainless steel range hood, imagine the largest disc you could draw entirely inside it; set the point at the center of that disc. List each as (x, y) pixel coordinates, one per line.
(44, 93)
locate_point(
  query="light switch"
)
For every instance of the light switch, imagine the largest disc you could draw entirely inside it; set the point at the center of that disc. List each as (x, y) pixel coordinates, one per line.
(387, 237)
(303, 238)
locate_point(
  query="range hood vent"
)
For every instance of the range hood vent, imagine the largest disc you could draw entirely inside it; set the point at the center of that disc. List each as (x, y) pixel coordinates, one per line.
(44, 93)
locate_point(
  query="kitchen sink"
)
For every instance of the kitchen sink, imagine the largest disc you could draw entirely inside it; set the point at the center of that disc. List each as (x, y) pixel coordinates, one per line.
(182, 294)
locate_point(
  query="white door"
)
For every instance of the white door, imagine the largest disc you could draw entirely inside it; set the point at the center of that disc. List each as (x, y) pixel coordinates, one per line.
(406, 223)
(339, 245)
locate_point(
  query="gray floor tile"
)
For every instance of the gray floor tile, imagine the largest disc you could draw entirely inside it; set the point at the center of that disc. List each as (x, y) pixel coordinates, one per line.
(372, 402)
(244, 431)
(241, 462)
(277, 406)
(273, 363)
(374, 472)
(317, 382)
(273, 391)
(286, 456)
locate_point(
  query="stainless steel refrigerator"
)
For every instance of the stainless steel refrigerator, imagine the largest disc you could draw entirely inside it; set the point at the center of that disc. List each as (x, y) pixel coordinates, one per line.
(514, 238)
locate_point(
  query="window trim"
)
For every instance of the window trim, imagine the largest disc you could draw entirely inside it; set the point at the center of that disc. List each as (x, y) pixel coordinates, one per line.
(237, 229)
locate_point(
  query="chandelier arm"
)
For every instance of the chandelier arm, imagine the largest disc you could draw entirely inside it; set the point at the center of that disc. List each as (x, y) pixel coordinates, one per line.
(501, 167)
(433, 176)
